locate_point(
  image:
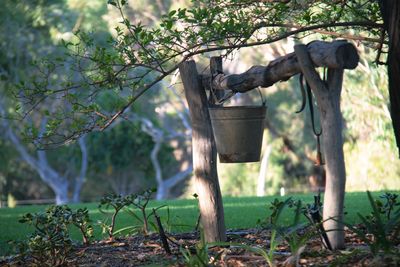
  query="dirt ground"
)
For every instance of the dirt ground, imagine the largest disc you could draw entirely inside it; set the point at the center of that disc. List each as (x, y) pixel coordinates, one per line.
(148, 251)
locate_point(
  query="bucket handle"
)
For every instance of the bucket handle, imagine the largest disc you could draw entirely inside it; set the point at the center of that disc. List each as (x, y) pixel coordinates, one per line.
(263, 100)
(220, 102)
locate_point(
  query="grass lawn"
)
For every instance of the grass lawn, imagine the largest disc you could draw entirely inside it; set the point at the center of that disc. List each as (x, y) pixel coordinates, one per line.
(240, 213)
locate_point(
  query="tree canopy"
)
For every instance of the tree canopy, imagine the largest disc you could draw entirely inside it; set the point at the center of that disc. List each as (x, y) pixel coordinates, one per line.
(138, 56)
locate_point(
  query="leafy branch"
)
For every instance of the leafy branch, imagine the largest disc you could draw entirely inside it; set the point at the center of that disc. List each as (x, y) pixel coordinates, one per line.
(139, 57)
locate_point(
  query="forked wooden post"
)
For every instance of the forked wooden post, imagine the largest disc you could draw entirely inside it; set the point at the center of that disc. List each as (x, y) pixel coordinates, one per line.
(204, 155)
(328, 100)
(336, 56)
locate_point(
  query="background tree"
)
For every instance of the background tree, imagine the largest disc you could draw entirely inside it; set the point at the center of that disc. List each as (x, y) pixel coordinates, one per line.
(20, 48)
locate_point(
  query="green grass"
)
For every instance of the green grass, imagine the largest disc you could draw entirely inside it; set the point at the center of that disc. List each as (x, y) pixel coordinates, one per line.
(240, 213)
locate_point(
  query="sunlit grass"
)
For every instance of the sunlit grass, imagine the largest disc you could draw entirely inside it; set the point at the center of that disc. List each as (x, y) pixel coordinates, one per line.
(240, 213)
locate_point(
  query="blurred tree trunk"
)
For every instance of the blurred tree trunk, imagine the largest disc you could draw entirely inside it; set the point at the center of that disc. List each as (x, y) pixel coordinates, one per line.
(80, 178)
(262, 176)
(56, 181)
(390, 10)
(164, 186)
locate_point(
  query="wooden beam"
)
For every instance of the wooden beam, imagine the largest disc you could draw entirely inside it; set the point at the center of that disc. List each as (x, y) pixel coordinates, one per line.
(337, 54)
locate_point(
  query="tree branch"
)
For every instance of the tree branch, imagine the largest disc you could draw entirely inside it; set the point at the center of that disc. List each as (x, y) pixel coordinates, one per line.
(192, 51)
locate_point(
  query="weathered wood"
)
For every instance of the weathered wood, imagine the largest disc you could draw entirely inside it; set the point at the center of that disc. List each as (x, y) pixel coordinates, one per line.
(328, 100)
(216, 69)
(337, 54)
(204, 155)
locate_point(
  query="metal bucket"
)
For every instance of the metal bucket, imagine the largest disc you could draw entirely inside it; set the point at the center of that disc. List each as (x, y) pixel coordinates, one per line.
(238, 132)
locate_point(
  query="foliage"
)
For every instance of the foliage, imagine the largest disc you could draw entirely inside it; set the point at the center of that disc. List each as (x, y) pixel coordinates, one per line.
(296, 234)
(198, 257)
(34, 29)
(369, 146)
(384, 230)
(140, 201)
(81, 220)
(119, 157)
(119, 147)
(117, 203)
(242, 213)
(138, 57)
(276, 208)
(389, 205)
(50, 244)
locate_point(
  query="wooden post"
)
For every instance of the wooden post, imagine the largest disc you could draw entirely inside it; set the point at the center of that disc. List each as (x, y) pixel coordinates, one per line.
(328, 100)
(204, 155)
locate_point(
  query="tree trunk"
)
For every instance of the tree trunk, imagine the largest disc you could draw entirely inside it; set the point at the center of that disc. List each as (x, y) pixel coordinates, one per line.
(164, 187)
(328, 100)
(79, 180)
(390, 10)
(61, 191)
(161, 190)
(58, 183)
(204, 155)
(263, 172)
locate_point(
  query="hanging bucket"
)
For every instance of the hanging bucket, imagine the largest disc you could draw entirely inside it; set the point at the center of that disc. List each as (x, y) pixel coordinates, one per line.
(238, 132)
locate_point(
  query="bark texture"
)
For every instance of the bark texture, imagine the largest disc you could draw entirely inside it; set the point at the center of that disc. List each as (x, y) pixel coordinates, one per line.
(204, 155)
(337, 54)
(328, 100)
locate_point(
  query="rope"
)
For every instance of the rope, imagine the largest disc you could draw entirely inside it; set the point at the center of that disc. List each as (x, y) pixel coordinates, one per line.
(311, 108)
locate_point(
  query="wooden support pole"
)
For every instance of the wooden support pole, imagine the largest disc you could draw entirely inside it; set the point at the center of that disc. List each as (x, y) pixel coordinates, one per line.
(204, 155)
(328, 100)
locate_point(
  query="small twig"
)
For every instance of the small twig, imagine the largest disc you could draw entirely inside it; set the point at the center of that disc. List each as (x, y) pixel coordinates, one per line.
(197, 223)
(163, 237)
